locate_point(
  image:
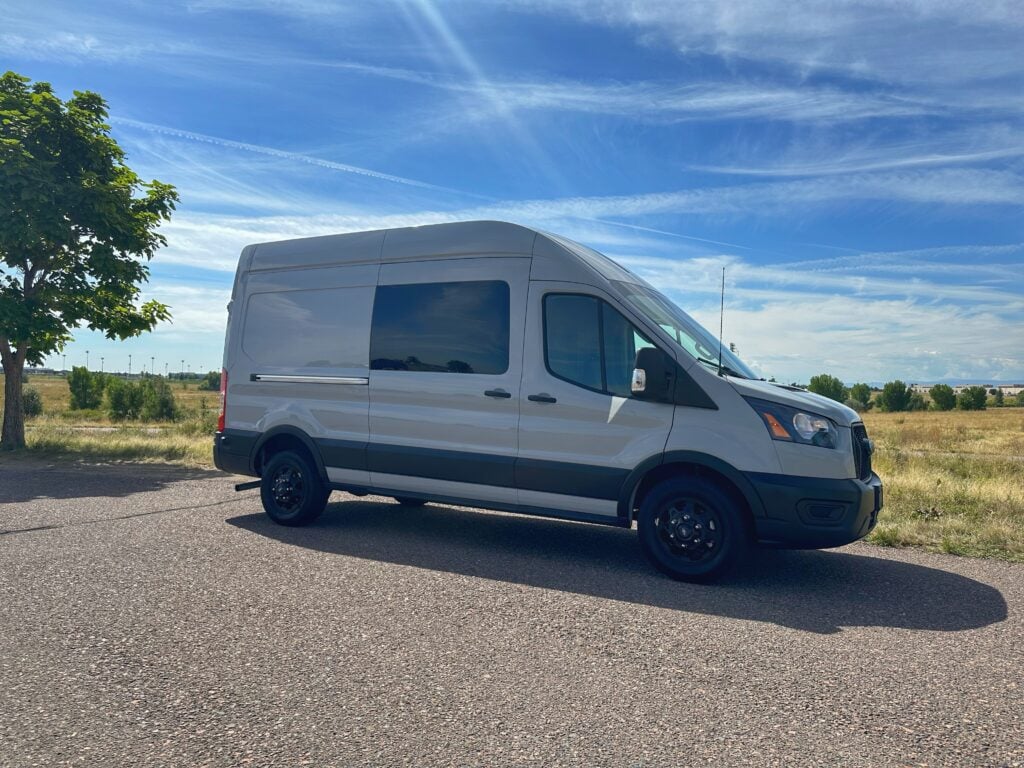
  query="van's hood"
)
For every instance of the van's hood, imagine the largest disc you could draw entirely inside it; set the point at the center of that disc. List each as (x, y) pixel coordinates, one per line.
(797, 398)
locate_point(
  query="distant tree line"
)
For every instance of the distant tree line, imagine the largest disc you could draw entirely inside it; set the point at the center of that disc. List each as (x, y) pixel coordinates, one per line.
(896, 396)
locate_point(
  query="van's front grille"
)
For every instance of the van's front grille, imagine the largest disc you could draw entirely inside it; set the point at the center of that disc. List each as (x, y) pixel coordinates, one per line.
(862, 450)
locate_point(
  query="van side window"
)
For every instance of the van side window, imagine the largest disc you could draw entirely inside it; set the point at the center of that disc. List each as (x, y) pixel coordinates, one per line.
(589, 343)
(441, 327)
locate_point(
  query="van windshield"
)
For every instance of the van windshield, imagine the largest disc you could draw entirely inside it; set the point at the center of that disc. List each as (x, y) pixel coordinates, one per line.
(684, 330)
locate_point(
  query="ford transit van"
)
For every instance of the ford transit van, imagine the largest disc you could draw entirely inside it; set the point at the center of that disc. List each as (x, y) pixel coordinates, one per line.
(491, 365)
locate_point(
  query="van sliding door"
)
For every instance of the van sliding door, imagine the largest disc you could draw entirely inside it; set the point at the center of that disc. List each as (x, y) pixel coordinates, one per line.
(445, 365)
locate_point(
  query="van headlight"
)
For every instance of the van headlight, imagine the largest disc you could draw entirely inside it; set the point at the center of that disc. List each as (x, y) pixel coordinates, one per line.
(795, 426)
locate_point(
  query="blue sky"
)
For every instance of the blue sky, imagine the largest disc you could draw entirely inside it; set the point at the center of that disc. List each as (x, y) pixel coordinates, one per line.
(857, 167)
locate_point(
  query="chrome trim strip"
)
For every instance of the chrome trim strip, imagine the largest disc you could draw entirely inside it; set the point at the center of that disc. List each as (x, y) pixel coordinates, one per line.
(282, 378)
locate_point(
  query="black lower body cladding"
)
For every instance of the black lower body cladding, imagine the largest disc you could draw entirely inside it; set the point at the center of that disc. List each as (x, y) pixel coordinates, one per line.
(789, 511)
(814, 512)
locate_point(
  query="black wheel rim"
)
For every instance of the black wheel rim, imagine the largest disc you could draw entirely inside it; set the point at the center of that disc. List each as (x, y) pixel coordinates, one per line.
(287, 488)
(690, 530)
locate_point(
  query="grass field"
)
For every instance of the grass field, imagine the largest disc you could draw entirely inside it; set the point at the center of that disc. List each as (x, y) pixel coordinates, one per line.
(954, 481)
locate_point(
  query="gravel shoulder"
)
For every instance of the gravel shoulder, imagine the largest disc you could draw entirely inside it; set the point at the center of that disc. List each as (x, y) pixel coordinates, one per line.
(152, 616)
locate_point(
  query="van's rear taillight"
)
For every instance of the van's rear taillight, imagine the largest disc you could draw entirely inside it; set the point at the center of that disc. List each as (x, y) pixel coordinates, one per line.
(223, 399)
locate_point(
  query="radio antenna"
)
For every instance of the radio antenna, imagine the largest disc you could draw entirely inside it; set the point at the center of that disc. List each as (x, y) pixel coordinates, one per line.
(721, 324)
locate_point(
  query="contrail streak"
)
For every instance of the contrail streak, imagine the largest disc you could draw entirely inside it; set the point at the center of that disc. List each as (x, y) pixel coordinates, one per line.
(246, 147)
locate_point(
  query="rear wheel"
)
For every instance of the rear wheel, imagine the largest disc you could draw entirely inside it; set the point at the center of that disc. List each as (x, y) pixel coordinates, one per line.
(406, 501)
(291, 489)
(691, 530)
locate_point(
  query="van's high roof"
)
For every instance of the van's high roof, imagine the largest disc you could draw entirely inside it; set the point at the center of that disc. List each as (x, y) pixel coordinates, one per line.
(434, 241)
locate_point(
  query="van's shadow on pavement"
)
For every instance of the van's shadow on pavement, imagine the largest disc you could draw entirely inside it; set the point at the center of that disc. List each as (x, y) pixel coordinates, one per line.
(808, 590)
(27, 480)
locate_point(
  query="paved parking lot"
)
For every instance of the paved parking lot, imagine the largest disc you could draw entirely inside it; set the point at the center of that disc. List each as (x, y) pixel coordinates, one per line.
(151, 616)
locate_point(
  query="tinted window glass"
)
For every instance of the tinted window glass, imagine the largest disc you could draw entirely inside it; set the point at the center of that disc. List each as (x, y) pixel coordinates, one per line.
(308, 329)
(621, 341)
(590, 344)
(573, 338)
(441, 327)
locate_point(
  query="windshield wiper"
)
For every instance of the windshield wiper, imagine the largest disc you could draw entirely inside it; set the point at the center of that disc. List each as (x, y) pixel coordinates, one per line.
(723, 368)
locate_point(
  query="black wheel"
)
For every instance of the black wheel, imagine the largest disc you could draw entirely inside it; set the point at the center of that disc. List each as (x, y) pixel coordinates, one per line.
(691, 530)
(405, 501)
(291, 489)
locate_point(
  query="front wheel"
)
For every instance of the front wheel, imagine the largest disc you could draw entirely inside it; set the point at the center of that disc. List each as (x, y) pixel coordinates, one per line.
(691, 530)
(291, 489)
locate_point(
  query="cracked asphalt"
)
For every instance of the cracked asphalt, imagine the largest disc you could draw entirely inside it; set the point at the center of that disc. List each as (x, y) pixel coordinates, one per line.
(151, 616)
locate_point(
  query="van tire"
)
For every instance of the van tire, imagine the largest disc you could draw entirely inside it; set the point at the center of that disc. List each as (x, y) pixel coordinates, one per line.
(406, 501)
(692, 530)
(291, 489)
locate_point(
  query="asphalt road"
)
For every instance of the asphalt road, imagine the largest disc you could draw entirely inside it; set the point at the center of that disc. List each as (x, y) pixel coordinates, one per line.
(153, 617)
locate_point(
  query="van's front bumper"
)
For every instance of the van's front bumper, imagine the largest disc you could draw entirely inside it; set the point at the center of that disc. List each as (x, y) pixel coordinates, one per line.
(814, 512)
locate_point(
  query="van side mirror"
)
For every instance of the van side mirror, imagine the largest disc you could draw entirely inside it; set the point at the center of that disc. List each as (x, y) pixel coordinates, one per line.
(652, 375)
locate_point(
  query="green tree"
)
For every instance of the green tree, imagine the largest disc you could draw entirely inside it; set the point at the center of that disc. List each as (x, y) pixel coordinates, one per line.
(86, 388)
(997, 397)
(895, 396)
(917, 402)
(972, 399)
(828, 386)
(943, 397)
(77, 227)
(861, 393)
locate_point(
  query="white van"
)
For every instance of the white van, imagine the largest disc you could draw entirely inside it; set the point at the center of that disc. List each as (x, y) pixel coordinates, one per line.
(491, 365)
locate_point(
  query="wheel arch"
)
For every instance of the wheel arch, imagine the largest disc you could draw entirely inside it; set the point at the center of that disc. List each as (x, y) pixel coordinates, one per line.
(285, 438)
(676, 463)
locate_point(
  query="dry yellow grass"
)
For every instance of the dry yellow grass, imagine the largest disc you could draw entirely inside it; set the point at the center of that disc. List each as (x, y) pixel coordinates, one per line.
(954, 481)
(91, 435)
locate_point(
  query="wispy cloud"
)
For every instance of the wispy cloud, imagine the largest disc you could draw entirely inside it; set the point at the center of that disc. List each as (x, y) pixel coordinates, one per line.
(280, 153)
(887, 159)
(910, 41)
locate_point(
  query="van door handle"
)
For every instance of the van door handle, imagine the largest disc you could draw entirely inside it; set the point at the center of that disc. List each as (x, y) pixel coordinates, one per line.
(497, 393)
(542, 398)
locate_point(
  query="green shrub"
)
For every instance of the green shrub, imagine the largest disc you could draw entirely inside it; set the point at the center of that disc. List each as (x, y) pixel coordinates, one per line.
(158, 400)
(150, 399)
(86, 388)
(210, 382)
(31, 401)
(972, 399)
(124, 399)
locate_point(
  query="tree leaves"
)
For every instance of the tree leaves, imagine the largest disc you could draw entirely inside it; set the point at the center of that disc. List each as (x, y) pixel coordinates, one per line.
(76, 223)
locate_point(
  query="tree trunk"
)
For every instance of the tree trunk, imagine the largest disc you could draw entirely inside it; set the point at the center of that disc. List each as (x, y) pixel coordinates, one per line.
(13, 436)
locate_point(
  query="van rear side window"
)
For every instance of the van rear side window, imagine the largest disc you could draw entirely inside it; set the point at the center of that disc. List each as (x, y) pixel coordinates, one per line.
(441, 327)
(308, 328)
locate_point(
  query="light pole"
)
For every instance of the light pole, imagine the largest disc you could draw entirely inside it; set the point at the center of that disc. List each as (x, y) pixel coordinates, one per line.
(64, 363)
(87, 359)
(129, 366)
(183, 369)
(152, 366)
(101, 365)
